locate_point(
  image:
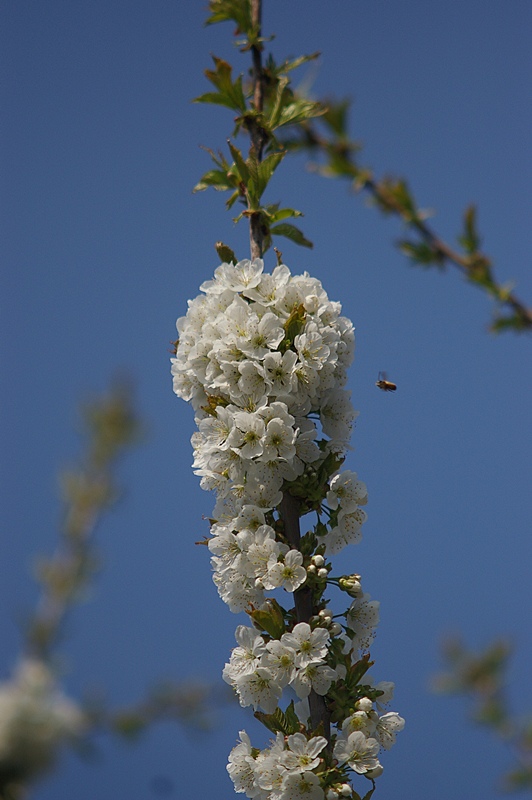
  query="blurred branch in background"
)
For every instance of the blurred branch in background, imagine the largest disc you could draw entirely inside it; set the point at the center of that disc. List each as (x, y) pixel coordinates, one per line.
(36, 718)
(89, 490)
(483, 678)
(327, 139)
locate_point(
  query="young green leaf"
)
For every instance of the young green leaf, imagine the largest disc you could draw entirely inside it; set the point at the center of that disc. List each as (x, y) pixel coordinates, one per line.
(469, 239)
(291, 232)
(241, 165)
(420, 252)
(225, 254)
(229, 94)
(238, 11)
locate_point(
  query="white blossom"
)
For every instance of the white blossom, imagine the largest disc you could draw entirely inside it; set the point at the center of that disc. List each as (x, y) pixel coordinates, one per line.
(302, 753)
(358, 751)
(310, 645)
(288, 574)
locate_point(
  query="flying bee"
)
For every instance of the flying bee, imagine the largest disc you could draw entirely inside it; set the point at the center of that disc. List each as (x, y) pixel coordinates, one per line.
(384, 384)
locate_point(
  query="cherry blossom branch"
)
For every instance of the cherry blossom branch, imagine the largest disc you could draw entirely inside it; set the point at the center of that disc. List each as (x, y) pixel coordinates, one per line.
(258, 138)
(393, 196)
(290, 506)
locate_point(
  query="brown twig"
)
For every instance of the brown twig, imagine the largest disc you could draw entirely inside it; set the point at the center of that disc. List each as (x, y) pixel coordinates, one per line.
(257, 135)
(476, 267)
(290, 507)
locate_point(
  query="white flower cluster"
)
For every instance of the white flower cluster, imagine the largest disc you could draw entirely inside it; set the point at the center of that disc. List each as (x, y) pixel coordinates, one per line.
(291, 768)
(260, 670)
(262, 359)
(35, 719)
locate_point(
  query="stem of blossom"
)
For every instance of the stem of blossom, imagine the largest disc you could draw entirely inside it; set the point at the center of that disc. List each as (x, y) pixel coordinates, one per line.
(289, 510)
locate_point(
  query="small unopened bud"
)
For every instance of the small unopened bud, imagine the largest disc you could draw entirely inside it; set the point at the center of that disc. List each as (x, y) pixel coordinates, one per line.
(322, 573)
(311, 569)
(350, 584)
(332, 795)
(325, 613)
(318, 560)
(364, 704)
(345, 790)
(335, 629)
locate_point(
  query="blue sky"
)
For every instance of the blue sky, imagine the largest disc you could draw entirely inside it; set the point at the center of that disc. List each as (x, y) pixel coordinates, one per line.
(103, 243)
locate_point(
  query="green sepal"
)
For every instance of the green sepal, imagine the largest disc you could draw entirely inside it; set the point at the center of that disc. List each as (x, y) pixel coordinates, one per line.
(271, 620)
(229, 94)
(225, 254)
(293, 326)
(307, 543)
(285, 722)
(359, 669)
(213, 401)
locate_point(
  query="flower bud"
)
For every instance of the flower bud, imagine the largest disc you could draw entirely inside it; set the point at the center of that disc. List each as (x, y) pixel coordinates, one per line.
(332, 795)
(335, 629)
(311, 569)
(322, 573)
(345, 790)
(318, 560)
(350, 584)
(364, 704)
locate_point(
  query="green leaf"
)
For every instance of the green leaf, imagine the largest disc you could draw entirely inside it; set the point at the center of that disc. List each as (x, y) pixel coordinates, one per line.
(277, 214)
(289, 65)
(270, 618)
(420, 252)
(232, 200)
(368, 794)
(266, 168)
(335, 116)
(285, 722)
(215, 178)
(291, 232)
(359, 669)
(469, 239)
(277, 108)
(238, 11)
(216, 99)
(513, 322)
(239, 162)
(299, 110)
(225, 254)
(229, 94)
